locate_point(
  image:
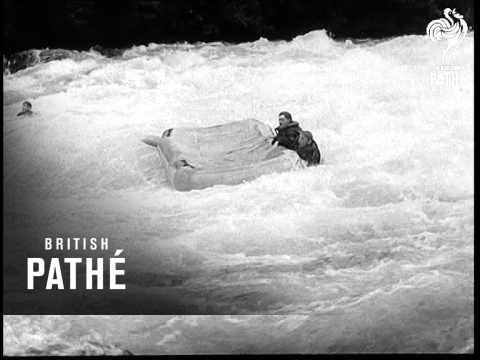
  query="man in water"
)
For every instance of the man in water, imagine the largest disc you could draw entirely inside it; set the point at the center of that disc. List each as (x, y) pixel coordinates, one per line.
(26, 109)
(291, 136)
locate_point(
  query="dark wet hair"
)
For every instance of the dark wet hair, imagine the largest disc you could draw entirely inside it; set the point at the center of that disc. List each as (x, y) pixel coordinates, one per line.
(286, 114)
(28, 104)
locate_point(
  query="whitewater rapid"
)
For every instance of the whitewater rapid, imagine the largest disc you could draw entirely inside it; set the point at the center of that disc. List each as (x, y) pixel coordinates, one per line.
(380, 235)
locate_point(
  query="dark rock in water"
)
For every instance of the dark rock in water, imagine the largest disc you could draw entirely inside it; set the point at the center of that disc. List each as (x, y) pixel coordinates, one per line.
(108, 52)
(24, 59)
(87, 348)
(55, 54)
(21, 60)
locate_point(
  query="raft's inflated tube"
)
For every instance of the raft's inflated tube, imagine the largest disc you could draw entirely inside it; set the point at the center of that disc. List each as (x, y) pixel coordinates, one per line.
(229, 154)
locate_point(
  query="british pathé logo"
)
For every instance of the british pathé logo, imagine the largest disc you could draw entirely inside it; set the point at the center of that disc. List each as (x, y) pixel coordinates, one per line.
(94, 267)
(452, 28)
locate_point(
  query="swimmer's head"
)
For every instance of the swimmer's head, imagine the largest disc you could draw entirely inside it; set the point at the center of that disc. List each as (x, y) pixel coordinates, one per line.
(26, 106)
(284, 118)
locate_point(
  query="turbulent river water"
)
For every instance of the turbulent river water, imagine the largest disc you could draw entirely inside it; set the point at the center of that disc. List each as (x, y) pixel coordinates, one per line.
(371, 251)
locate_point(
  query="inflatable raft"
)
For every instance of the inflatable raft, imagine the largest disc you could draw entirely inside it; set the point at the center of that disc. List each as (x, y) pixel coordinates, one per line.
(196, 158)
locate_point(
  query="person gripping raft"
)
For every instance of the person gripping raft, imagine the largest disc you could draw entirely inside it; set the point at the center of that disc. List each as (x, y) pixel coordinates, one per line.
(290, 135)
